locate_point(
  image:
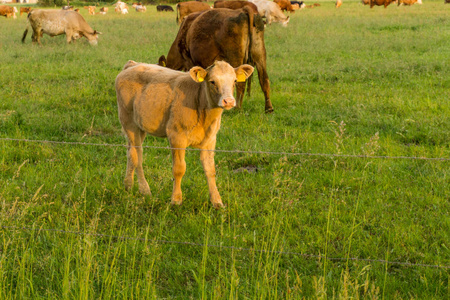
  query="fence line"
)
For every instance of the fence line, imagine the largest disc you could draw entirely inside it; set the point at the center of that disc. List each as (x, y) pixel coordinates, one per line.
(236, 151)
(316, 256)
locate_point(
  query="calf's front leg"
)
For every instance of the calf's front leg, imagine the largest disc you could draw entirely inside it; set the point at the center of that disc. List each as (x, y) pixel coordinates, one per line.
(207, 159)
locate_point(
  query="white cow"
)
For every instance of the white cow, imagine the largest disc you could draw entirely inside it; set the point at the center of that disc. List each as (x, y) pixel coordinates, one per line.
(271, 11)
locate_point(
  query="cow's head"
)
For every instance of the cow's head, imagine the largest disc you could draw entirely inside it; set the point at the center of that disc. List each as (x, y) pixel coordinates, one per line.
(285, 22)
(93, 37)
(220, 79)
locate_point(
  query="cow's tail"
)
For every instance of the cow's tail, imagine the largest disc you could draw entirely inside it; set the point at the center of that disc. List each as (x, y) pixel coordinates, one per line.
(26, 29)
(178, 12)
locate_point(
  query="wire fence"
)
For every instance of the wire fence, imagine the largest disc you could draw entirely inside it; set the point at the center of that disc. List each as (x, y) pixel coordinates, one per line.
(242, 249)
(311, 256)
(236, 151)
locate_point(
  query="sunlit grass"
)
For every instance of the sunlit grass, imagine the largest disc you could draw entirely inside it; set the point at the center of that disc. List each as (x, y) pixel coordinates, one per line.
(347, 81)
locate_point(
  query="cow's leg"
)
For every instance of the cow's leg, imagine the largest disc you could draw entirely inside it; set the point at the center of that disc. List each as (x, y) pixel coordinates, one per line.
(240, 91)
(207, 159)
(35, 37)
(178, 169)
(135, 159)
(69, 34)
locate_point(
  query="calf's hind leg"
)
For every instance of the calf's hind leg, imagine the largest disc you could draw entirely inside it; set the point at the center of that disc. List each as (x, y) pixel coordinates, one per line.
(135, 138)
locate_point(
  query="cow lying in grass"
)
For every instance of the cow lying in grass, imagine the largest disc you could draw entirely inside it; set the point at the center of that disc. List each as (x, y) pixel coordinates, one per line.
(184, 107)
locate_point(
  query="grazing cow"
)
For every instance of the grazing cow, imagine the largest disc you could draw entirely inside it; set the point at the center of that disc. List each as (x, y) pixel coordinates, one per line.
(104, 10)
(235, 5)
(164, 8)
(76, 10)
(67, 7)
(285, 5)
(25, 10)
(8, 11)
(316, 4)
(184, 107)
(57, 22)
(271, 11)
(186, 8)
(235, 36)
(338, 3)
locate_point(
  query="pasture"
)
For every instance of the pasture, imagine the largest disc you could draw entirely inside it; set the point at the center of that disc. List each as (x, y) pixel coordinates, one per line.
(353, 81)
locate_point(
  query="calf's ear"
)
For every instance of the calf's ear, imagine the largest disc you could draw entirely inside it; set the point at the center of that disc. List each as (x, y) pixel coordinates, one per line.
(243, 72)
(198, 74)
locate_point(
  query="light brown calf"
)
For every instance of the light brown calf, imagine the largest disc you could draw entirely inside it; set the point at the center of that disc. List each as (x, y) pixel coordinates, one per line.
(25, 10)
(184, 107)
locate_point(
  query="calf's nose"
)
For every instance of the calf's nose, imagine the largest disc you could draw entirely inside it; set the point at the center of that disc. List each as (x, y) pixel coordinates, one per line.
(228, 103)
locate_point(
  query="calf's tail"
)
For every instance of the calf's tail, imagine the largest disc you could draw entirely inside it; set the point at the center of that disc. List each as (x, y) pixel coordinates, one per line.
(178, 13)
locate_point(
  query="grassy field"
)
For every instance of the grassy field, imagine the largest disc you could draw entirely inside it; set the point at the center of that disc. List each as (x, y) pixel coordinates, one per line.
(353, 81)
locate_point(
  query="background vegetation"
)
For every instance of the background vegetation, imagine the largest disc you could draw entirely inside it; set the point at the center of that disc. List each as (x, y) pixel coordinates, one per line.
(348, 81)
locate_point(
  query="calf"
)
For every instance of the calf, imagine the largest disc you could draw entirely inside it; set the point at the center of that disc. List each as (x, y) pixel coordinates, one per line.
(164, 8)
(25, 10)
(184, 107)
(57, 22)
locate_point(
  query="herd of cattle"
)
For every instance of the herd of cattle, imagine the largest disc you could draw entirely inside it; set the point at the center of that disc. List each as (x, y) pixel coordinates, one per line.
(183, 97)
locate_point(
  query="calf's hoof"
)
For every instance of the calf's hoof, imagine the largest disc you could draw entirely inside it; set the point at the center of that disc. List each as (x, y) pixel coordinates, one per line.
(145, 190)
(176, 199)
(218, 205)
(269, 110)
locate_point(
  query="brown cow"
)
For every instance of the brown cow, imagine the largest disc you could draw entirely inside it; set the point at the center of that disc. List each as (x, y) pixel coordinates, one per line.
(25, 10)
(184, 107)
(338, 3)
(57, 22)
(285, 5)
(235, 5)
(235, 36)
(186, 8)
(8, 11)
(384, 3)
(407, 2)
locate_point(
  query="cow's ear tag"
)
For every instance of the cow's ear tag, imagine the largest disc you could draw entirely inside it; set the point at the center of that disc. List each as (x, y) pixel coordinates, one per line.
(241, 77)
(199, 77)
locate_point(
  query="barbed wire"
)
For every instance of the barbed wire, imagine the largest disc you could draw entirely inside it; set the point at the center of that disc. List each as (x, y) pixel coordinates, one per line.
(313, 256)
(236, 151)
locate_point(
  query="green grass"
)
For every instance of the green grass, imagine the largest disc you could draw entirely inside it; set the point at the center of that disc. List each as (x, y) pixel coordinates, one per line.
(348, 81)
